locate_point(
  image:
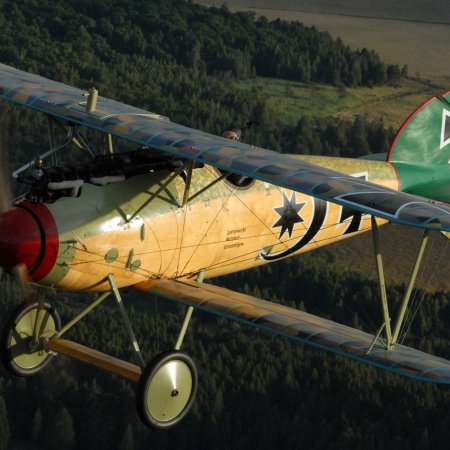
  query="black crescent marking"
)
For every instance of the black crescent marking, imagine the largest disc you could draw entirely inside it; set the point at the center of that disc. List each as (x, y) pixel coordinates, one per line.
(320, 212)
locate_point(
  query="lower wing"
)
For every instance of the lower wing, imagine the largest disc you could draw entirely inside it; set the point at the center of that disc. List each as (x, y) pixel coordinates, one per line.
(306, 328)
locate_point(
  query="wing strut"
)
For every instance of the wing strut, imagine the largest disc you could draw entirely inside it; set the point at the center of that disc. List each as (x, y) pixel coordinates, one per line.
(401, 314)
(384, 302)
(392, 337)
(188, 182)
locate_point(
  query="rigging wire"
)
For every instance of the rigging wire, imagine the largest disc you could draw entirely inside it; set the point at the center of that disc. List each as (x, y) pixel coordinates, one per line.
(412, 305)
(225, 203)
(444, 249)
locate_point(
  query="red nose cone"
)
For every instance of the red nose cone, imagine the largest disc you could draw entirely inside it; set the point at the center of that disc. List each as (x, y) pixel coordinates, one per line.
(28, 235)
(20, 239)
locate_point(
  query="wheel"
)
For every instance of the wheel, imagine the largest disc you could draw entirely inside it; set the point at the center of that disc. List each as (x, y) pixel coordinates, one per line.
(18, 353)
(166, 389)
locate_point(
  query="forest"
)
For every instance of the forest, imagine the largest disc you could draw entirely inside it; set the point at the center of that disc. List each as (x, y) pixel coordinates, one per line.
(256, 390)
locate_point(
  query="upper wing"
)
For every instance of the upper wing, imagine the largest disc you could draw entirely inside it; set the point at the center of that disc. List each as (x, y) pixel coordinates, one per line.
(158, 132)
(306, 328)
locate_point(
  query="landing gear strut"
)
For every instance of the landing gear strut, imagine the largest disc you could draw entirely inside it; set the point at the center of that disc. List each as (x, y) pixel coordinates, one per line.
(166, 387)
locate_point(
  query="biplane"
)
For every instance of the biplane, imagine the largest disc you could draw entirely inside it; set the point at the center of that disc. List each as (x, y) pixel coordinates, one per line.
(183, 206)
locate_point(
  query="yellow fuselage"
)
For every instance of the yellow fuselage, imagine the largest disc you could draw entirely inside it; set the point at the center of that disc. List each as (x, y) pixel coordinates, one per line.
(124, 229)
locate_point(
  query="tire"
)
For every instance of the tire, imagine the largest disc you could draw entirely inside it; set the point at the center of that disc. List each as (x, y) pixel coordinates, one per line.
(17, 353)
(166, 390)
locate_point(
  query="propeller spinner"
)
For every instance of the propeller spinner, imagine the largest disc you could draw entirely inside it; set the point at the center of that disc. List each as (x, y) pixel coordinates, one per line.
(20, 239)
(28, 236)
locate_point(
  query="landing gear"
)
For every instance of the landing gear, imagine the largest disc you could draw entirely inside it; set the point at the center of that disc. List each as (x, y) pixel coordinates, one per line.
(22, 344)
(166, 389)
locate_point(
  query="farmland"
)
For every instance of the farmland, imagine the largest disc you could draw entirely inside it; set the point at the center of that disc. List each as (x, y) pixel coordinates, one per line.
(415, 33)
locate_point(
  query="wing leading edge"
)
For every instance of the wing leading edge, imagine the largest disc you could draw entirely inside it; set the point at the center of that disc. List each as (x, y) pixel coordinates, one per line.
(306, 328)
(158, 132)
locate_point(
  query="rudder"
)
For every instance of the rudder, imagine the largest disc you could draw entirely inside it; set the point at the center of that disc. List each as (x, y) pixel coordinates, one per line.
(420, 151)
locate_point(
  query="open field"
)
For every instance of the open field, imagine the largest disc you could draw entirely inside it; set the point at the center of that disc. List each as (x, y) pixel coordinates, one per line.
(290, 100)
(431, 11)
(415, 33)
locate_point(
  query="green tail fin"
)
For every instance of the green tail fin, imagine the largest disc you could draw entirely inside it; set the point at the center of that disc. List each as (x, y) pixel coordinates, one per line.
(421, 150)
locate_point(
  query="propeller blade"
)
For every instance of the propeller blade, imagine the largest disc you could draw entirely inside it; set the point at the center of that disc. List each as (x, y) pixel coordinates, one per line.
(5, 195)
(5, 188)
(20, 271)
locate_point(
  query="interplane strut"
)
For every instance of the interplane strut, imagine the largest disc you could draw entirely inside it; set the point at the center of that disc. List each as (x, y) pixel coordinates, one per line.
(391, 337)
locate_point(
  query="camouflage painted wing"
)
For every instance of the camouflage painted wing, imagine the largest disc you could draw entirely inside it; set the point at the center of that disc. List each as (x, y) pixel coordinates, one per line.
(306, 328)
(158, 132)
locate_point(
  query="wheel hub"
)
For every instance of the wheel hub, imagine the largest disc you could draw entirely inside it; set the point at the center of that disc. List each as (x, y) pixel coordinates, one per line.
(169, 390)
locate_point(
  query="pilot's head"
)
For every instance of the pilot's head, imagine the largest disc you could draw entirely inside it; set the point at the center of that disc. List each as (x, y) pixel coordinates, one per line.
(232, 133)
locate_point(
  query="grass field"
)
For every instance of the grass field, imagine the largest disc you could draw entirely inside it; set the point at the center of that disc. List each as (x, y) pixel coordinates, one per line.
(289, 100)
(415, 33)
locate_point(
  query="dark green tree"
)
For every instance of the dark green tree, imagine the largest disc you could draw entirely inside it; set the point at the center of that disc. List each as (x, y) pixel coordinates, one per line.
(36, 426)
(126, 442)
(358, 138)
(59, 431)
(5, 431)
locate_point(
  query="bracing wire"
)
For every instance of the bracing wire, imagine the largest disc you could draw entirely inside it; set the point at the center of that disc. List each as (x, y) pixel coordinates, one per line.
(444, 249)
(408, 320)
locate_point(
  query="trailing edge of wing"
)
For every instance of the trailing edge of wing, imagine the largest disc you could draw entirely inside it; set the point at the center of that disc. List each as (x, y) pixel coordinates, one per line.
(158, 132)
(306, 328)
